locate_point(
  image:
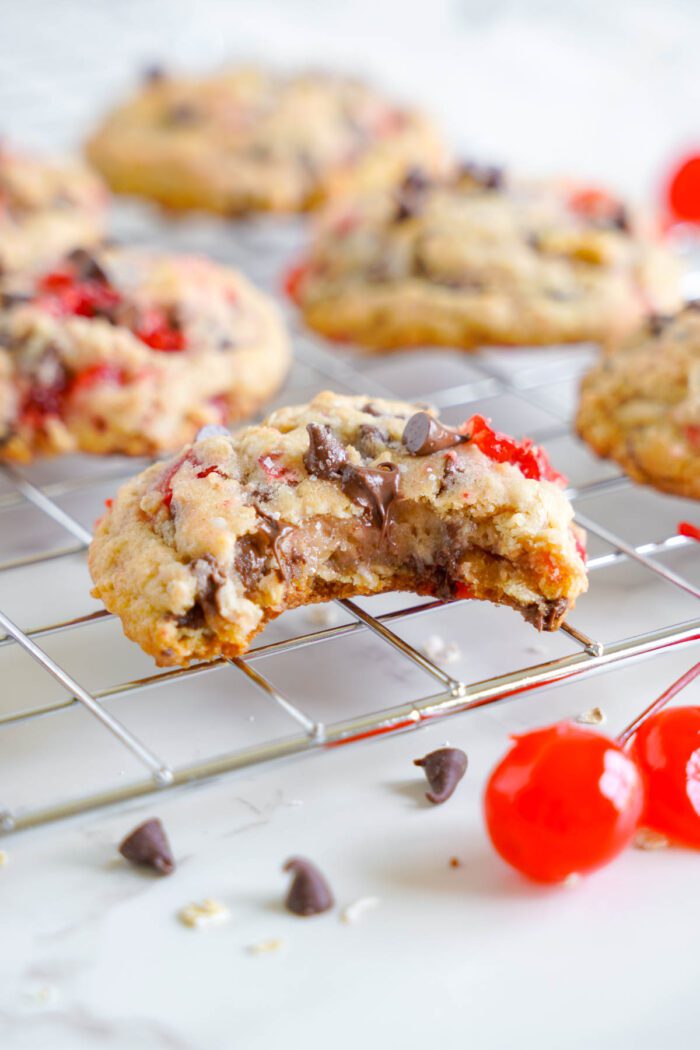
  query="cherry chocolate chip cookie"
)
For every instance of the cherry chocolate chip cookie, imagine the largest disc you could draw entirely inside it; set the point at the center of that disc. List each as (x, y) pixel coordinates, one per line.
(640, 406)
(473, 259)
(46, 208)
(121, 351)
(339, 497)
(247, 139)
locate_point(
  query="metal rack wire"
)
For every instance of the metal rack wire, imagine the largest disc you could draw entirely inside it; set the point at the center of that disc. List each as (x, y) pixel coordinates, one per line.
(326, 367)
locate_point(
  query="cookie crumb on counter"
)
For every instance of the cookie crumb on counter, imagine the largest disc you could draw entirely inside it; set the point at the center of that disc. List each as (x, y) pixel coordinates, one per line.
(4, 859)
(273, 944)
(207, 913)
(455, 862)
(323, 615)
(594, 717)
(354, 912)
(647, 838)
(435, 648)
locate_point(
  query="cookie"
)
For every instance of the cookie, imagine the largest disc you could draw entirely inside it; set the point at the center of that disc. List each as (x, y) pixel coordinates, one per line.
(124, 351)
(640, 406)
(46, 208)
(474, 259)
(253, 140)
(341, 497)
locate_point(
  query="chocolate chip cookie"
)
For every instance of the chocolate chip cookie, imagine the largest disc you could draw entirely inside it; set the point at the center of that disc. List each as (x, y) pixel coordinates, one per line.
(47, 207)
(474, 259)
(340, 497)
(248, 139)
(119, 350)
(641, 405)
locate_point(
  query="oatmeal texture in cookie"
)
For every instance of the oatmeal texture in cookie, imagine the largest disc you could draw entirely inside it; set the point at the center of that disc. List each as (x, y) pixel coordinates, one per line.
(247, 139)
(47, 207)
(640, 406)
(342, 496)
(121, 351)
(474, 259)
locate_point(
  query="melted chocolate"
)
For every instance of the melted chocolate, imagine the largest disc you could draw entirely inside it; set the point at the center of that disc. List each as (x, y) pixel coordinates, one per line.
(424, 435)
(374, 488)
(325, 457)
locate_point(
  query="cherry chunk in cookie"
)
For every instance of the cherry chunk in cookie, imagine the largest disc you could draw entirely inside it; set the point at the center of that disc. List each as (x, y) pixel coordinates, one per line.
(340, 497)
(120, 351)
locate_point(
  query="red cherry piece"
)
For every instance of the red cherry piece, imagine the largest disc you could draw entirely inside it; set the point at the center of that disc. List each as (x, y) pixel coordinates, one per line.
(156, 331)
(293, 280)
(685, 528)
(530, 459)
(90, 377)
(61, 293)
(562, 801)
(683, 191)
(666, 748)
(594, 203)
(277, 471)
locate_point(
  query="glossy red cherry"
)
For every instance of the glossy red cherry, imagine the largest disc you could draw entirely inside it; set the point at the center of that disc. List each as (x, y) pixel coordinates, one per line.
(563, 801)
(683, 192)
(666, 748)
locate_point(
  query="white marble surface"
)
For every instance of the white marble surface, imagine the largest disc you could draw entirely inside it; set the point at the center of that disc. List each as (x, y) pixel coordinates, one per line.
(92, 953)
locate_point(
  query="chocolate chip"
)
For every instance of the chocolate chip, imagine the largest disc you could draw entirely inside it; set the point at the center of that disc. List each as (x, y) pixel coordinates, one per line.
(423, 435)
(371, 409)
(194, 618)
(154, 74)
(9, 299)
(487, 176)
(182, 114)
(658, 322)
(374, 488)
(325, 457)
(148, 845)
(412, 195)
(309, 893)
(86, 266)
(547, 615)
(443, 769)
(620, 219)
(276, 532)
(370, 440)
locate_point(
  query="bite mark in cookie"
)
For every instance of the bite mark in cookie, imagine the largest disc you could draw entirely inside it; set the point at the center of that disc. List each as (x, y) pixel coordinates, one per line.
(198, 554)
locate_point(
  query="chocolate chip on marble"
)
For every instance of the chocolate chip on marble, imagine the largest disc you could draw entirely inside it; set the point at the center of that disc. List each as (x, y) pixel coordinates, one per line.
(374, 488)
(325, 457)
(148, 845)
(370, 440)
(443, 769)
(309, 893)
(423, 435)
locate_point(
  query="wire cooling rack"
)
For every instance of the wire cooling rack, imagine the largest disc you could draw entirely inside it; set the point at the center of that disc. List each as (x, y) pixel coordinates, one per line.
(535, 387)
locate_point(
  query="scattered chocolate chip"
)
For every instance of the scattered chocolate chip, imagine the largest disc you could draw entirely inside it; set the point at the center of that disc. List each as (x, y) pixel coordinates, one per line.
(309, 893)
(325, 457)
(374, 488)
(148, 845)
(443, 769)
(423, 435)
(488, 176)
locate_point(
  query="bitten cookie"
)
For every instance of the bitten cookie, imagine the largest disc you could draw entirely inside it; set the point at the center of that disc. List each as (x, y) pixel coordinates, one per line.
(46, 208)
(474, 259)
(339, 497)
(641, 405)
(125, 351)
(248, 139)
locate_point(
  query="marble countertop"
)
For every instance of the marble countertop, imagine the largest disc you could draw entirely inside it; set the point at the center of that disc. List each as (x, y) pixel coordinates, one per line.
(93, 954)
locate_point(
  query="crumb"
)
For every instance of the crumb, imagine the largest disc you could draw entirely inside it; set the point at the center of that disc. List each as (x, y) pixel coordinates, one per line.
(41, 997)
(436, 649)
(355, 911)
(207, 913)
(266, 947)
(4, 859)
(647, 838)
(455, 862)
(571, 880)
(322, 615)
(594, 717)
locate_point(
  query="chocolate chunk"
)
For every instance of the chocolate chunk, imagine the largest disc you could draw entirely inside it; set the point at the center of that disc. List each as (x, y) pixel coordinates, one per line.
(412, 195)
(148, 845)
(546, 616)
(487, 176)
(194, 618)
(251, 559)
(370, 440)
(182, 114)
(309, 893)
(86, 266)
(443, 769)
(325, 457)
(658, 322)
(374, 488)
(154, 74)
(423, 435)
(276, 532)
